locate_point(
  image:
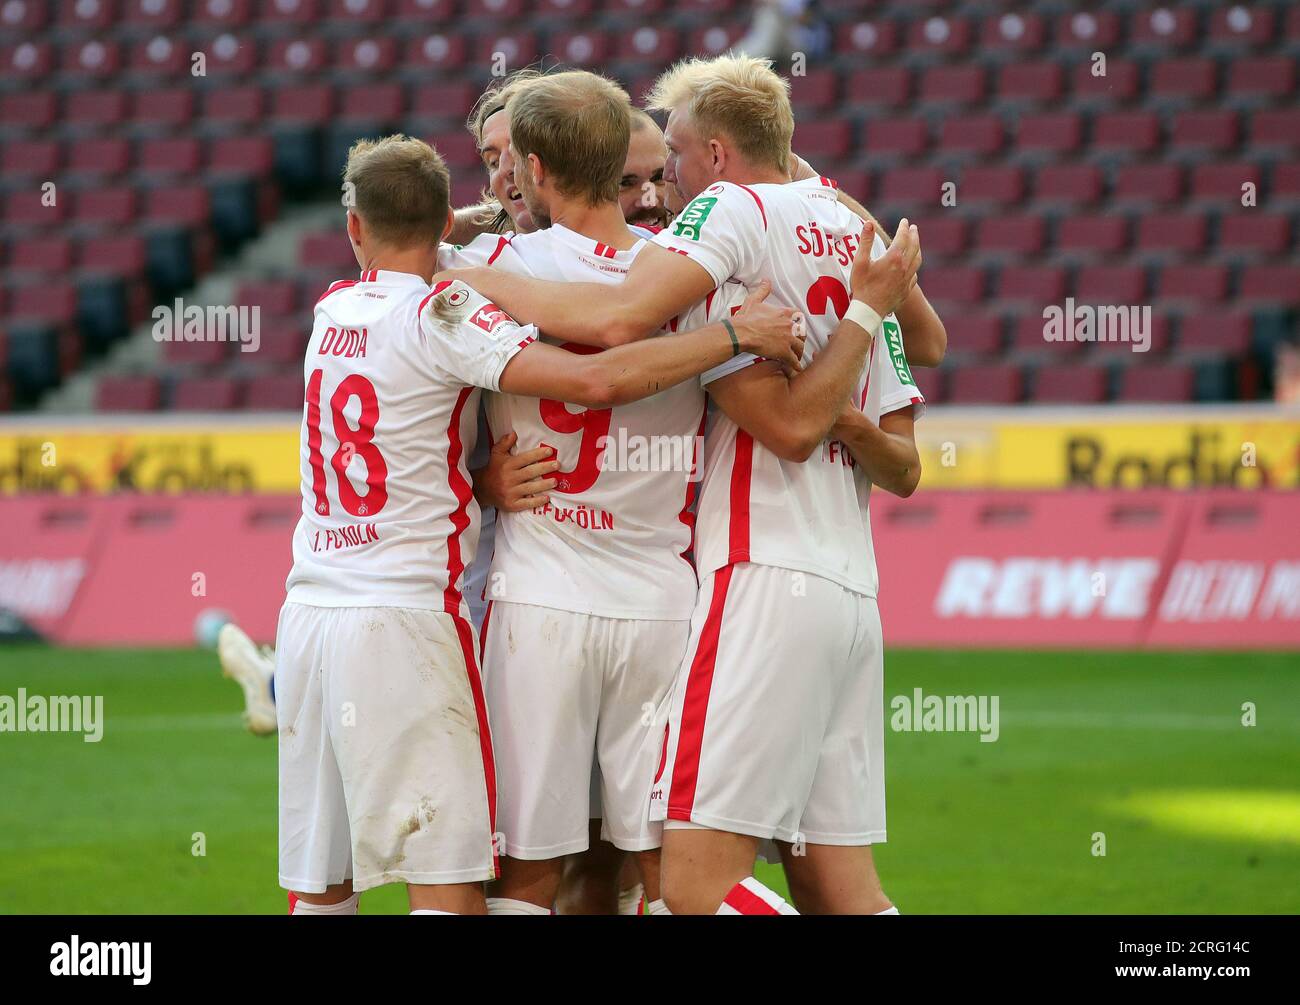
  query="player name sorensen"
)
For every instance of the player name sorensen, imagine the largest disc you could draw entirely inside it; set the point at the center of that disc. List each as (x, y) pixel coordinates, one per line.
(338, 538)
(56, 714)
(75, 958)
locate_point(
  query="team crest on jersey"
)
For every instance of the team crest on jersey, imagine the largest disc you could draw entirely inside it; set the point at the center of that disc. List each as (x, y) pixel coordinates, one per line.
(894, 341)
(457, 297)
(489, 317)
(691, 221)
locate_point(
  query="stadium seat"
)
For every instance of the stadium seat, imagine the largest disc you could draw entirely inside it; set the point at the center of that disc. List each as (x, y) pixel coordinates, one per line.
(1126, 132)
(371, 55)
(980, 135)
(939, 36)
(1190, 79)
(1223, 334)
(973, 336)
(1272, 128)
(1149, 183)
(1074, 385)
(173, 108)
(1278, 284)
(1195, 283)
(1055, 133)
(128, 394)
(655, 44)
(998, 186)
(931, 383)
(1215, 130)
(1239, 25)
(1036, 285)
(877, 39)
(436, 51)
(1093, 235)
(30, 159)
(1118, 85)
(117, 254)
(1157, 382)
(51, 255)
(1179, 233)
(942, 235)
(985, 384)
(814, 91)
(1073, 184)
(1020, 32)
(1224, 182)
(1165, 27)
(1255, 233)
(1111, 284)
(956, 284)
(884, 87)
(1011, 235)
(1093, 31)
(891, 138)
(204, 394)
(962, 84)
(1272, 77)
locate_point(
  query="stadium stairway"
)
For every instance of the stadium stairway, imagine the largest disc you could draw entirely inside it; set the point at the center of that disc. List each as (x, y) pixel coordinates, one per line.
(137, 374)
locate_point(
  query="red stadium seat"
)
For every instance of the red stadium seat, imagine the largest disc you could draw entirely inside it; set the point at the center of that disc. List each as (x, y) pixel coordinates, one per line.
(1072, 385)
(1056, 133)
(52, 255)
(283, 345)
(1275, 128)
(367, 55)
(900, 137)
(973, 335)
(1224, 182)
(954, 284)
(310, 103)
(1074, 184)
(128, 394)
(1192, 79)
(1210, 130)
(233, 104)
(95, 108)
(1029, 340)
(1038, 285)
(1171, 27)
(274, 296)
(1020, 235)
(242, 155)
(939, 35)
(228, 55)
(1096, 235)
(1130, 132)
(196, 355)
(1119, 84)
(92, 58)
(885, 86)
(426, 10)
(912, 186)
(869, 38)
(110, 207)
(373, 102)
(53, 302)
(991, 185)
(499, 11)
(1041, 82)
(1277, 284)
(1111, 284)
(116, 254)
(170, 156)
(960, 84)
(587, 49)
(1241, 25)
(173, 108)
(436, 51)
(99, 157)
(298, 56)
(822, 141)
(986, 384)
(1158, 382)
(714, 40)
(1284, 183)
(814, 91)
(31, 110)
(326, 250)
(30, 158)
(221, 13)
(974, 134)
(650, 43)
(1149, 183)
(1017, 32)
(1254, 232)
(931, 383)
(508, 51)
(439, 100)
(1193, 283)
(1095, 31)
(300, 12)
(1262, 76)
(942, 235)
(1180, 233)
(152, 13)
(87, 14)
(357, 10)
(1223, 334)
(25, 16)
(204, 394)
(569, 10)
(188, 205)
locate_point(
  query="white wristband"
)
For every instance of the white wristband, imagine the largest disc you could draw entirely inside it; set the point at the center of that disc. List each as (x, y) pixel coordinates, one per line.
(864, 316)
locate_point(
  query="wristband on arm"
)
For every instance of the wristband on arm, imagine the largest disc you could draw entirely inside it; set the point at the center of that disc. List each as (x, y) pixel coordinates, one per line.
(864, 317)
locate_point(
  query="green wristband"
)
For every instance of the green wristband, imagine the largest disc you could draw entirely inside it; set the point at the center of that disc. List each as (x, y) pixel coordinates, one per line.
(735, 342)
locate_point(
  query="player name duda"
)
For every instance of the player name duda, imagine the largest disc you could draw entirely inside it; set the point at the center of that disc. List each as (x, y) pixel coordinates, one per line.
(75, 958)
(56, 714)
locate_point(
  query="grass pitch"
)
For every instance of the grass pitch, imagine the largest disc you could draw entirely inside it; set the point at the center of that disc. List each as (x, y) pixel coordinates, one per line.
(1144, 753)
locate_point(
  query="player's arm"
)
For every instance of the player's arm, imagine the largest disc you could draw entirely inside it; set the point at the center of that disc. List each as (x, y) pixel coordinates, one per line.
(631, 372)
(887, 452)
(791, 417)
(471, 221)
(515, 482)
(659, 285)
(925, 339)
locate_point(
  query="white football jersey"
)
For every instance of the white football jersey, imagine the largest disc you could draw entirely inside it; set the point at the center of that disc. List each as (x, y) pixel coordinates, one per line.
(483, 250)
(392, 373)
(755, 507)
(615, 539)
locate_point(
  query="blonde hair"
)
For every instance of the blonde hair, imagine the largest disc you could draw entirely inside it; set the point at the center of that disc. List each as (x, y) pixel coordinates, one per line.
(400, 187)
(736, 96)
(578, 124)
(491, 101)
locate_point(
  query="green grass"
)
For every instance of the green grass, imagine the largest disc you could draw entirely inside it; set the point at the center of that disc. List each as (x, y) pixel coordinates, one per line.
(1200, 813)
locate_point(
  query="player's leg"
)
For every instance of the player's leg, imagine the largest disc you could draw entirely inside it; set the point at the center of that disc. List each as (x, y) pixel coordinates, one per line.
(593, 879)
(315, 836)
(834, 871)
(253, 669)
(408, 726)
(544, 705)
(641, 659)
(738, 761)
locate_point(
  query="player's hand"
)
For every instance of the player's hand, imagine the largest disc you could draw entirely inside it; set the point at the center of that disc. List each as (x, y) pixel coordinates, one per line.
(516, 482)
(768, 331)
(885, 283)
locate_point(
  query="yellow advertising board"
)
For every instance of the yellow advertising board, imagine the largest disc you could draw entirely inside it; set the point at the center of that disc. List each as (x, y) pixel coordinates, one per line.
(1245, 446)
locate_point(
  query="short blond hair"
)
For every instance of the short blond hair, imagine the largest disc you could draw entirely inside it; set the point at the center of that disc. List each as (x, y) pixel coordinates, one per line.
(578, 125)
(736, 96)
(400, 187)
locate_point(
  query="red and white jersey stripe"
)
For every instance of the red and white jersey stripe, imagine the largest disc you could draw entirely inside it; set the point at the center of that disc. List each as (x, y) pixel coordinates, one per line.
(755, 507)
(392, 374)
